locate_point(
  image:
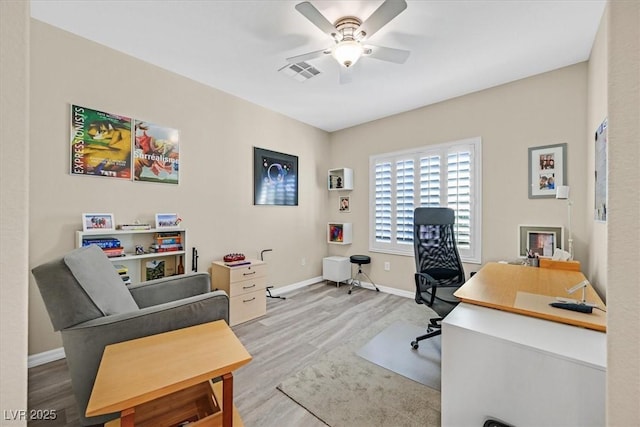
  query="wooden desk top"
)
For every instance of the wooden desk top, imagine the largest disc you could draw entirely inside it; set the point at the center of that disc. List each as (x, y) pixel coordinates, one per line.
(141, 370)
(529, 290)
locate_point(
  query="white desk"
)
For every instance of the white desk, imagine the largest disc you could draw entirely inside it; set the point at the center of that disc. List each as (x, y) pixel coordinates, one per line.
(522, 370)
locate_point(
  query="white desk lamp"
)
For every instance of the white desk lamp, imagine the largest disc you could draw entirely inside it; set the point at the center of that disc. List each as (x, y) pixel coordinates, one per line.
(562, 192)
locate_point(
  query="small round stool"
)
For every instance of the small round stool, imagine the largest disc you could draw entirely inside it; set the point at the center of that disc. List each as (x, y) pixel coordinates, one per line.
(360, 260)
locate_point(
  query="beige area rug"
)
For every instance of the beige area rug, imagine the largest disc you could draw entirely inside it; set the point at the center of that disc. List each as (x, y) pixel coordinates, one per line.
(342, 389)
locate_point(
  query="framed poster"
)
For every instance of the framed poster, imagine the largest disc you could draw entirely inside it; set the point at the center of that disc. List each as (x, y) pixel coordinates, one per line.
(547, 170)
(100, 143)
(600, 199)
(275, 178)
(156, 153)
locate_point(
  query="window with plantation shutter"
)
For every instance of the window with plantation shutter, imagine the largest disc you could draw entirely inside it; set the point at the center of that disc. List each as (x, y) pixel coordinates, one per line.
(437, 175)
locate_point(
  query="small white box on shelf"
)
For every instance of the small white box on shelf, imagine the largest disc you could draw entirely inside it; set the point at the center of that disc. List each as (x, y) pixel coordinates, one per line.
(340, 179)
(339, 233)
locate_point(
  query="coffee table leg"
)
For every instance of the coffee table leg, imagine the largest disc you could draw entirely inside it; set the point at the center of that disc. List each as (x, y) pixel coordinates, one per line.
(127, 417)
(227, 400)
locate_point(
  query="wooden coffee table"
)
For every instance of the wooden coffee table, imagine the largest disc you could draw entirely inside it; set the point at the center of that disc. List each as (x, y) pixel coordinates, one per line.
(165, 379)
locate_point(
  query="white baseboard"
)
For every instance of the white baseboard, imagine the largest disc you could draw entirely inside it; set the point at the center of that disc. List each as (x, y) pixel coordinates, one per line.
(45, 357)
(313, 281)
(295, 286)
(58, 353)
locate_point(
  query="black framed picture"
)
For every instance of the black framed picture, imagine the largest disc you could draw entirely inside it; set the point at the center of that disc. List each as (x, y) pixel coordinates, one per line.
(275, 178)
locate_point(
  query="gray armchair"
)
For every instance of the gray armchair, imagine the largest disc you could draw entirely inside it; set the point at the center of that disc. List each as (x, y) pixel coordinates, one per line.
(91, 307)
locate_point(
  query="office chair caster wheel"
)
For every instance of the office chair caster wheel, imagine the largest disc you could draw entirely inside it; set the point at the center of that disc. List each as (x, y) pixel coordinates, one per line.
(414, 345)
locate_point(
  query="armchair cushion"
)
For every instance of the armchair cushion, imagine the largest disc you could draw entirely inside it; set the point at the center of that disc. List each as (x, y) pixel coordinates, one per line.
(99, 279)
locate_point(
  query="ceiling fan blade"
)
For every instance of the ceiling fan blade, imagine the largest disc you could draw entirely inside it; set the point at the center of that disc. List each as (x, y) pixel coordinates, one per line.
(312, 14)
(308, 56)
(345, 75)
(389, 54)
(382, 16)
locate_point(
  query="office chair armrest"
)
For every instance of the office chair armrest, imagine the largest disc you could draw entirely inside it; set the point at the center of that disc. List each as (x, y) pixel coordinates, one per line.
(167, 289)
(433, 284)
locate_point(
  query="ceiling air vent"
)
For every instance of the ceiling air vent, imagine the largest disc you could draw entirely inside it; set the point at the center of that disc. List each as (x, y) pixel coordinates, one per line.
(300, 71)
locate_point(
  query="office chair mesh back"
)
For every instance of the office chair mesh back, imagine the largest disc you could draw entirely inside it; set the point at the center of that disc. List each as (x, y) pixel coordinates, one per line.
(436, 253)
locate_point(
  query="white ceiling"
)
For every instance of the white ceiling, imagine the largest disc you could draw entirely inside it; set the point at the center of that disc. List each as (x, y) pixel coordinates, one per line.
(457, 47)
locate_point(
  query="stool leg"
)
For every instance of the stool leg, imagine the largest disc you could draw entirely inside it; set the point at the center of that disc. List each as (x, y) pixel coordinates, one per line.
(370, 281)
(356, 281)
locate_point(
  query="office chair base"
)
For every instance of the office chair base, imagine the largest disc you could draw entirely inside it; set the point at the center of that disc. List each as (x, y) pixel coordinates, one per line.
(355, 282)
(432, 331)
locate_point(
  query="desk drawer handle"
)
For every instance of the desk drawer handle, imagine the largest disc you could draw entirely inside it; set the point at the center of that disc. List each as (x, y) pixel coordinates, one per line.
(248, 274)
(249, 287)
(248, 300)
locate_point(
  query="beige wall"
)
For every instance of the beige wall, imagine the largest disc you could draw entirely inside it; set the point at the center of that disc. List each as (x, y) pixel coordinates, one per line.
(14, 211)
(622, 275)
(623, 234)
(546, 109)
(215, 195)
(596, 113)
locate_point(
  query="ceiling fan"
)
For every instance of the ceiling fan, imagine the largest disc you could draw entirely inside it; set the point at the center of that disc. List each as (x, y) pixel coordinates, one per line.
(349, 34)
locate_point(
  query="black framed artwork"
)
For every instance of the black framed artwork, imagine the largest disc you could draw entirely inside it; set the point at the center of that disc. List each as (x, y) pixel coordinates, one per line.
(275, 178)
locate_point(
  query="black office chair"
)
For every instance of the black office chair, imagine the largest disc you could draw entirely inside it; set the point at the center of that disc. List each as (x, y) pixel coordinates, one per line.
(439, 269)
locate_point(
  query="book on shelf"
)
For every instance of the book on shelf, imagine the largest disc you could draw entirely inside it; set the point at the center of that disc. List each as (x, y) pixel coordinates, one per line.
(121, 268)
(158, 250)
(164, 234)
(104, 243)
(168, 240)
(114, 252)
(166, 246)
(134, 227)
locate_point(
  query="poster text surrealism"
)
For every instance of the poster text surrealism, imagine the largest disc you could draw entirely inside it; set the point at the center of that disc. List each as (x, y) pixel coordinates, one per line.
(157, 154)
(103, 144)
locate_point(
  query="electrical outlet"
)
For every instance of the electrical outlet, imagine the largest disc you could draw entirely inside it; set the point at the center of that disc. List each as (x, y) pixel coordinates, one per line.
(387, 266)
(303, 262)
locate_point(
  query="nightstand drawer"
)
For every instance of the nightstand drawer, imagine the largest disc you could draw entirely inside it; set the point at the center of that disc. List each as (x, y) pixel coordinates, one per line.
(246, 307)
(246, 286)
(237, 274)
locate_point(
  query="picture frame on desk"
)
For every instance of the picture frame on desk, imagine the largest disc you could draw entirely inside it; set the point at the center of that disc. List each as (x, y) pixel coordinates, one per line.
(547, 170)
(98, 222)
(541, 240)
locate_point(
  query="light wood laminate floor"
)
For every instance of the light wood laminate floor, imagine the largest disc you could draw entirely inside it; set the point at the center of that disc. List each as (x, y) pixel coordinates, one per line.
(295, 330)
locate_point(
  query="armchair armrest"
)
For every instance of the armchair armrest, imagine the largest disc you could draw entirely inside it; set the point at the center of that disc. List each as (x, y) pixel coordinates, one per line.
(173, 288)
(84, 343)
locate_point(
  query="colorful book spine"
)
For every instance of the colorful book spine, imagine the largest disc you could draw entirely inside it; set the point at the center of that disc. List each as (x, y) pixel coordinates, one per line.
(168, 240)
(105, 243)
(167, 246)
(177, 248)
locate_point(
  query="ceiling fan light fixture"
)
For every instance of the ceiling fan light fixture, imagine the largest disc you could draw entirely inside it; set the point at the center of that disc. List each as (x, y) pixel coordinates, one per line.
(347, 52)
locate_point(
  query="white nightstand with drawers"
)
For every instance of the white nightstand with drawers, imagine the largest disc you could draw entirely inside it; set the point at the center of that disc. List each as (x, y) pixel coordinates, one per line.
(246, 286)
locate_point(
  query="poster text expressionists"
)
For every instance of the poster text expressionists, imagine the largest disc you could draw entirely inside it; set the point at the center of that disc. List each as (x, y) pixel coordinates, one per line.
(100, 143)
